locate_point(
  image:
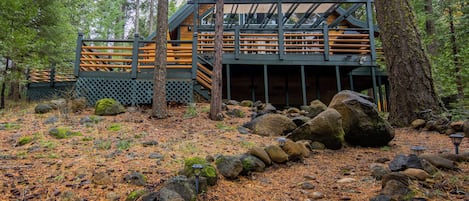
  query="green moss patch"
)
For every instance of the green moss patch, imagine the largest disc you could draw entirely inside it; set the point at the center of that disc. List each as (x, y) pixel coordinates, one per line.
(62, 133)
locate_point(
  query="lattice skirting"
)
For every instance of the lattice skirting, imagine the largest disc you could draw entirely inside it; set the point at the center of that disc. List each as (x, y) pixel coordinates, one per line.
(42, 91)
(130, 92)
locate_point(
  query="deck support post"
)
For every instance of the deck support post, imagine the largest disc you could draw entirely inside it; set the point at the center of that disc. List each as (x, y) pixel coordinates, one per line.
(228, 82)
(133, 73)
(386, 91)
(326, 41)
(281, 48)
(195, 41)
(237, 38)
(350, 78)
(78, 50)
(253, 89)
(371, 30)
(373, 79)
(337, 79)
(266, 84)
(303, 84)
(287, 98)
(380, 94)
(318, 92)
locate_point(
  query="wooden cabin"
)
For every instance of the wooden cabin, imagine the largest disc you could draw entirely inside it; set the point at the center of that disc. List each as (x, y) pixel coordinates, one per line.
(285, 52)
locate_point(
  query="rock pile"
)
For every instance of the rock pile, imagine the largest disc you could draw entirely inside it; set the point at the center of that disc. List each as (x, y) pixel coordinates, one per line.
(350, 118)
(405, 172)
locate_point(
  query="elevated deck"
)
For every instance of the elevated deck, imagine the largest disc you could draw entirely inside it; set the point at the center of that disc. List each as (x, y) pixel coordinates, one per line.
(312, 38)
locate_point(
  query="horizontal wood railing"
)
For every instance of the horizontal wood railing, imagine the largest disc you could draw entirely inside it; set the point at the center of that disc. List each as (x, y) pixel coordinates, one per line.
(313, 41)
(50, 76)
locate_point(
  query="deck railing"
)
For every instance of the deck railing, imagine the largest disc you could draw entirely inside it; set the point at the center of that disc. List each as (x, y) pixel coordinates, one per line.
(129, 56)
(48, 76)
(269, 41)
(133, 56)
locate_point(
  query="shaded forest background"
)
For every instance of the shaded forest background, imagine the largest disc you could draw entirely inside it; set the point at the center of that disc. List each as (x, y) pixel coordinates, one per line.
(39, 34)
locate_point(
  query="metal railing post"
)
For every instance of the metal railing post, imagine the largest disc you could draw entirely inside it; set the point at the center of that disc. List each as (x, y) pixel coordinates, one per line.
(135, 46)
(78, 50)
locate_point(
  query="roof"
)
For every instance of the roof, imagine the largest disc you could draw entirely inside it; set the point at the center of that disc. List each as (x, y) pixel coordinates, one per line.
(177, 18)
(186, 10)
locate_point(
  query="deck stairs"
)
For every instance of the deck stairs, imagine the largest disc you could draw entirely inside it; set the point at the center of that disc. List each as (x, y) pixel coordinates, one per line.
(203, 84)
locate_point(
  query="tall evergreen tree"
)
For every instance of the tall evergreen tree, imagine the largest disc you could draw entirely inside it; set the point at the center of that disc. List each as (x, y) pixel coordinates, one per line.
(408, 66)
(216, 95)
(159, 108)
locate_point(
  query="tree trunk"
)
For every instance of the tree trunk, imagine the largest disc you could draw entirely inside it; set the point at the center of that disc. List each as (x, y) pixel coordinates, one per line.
(409, 69)
(2, 96)
(2, 93)
(432, 46)
(137, 13)
(216, 94)
(454, 47)
(150, 18)
(159, 107)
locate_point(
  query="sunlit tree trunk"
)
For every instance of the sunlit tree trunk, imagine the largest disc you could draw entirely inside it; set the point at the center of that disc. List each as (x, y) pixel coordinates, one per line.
(159, 108)
(216, 95)
(409, 69)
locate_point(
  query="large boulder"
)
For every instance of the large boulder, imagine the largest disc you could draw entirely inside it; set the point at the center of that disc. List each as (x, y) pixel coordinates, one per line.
(108, 106)
(325, 128)
(361, 122)
(271, 125)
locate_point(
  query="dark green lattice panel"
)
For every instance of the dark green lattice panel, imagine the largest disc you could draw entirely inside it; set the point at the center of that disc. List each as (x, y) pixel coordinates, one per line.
(130, 92)
(44, 91)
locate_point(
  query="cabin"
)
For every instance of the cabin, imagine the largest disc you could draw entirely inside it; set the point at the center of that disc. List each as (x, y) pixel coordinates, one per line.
(284, 52)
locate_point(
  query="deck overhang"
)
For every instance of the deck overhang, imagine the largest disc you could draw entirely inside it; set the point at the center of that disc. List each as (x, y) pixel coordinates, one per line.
(277, 1)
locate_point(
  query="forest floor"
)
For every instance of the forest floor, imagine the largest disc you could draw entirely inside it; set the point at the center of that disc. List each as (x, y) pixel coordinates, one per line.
(59, 169)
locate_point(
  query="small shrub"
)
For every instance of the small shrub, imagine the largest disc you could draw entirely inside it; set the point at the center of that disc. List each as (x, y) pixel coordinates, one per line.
(385, 148)
(86, 139)
(191, 111)
(223, 127)
(115, 127)
(47, 144)
(103, 144)
(123, 144)
(24, 140)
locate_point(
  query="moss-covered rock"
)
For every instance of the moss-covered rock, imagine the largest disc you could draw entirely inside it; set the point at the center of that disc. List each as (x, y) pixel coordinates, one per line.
(251, 164)
(207, 171)
(229, 166)
(61, 133)
(134, 195)
(108, 106)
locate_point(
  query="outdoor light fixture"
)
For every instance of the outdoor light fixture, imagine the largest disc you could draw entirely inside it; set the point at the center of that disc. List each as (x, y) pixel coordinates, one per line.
(417, 150)
(197, 168)
(281, 141)
(457, 139)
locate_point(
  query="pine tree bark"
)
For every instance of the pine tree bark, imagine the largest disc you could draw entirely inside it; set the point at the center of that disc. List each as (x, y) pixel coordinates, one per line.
(159, 107)
(216, 93)
(409, 70)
